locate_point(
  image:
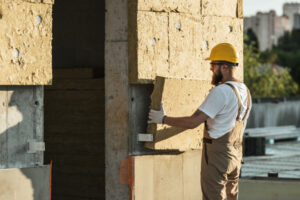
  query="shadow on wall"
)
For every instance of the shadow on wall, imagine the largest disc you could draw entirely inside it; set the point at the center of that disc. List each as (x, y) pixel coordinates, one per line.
(21, 120)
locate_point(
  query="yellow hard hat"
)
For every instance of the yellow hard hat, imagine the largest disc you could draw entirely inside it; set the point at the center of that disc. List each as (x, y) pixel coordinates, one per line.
(224, 52)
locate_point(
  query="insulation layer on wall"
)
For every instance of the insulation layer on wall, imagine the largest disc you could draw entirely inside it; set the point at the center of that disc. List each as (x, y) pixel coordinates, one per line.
(162, 177)
(26, 35)
(180, 97)
(174, 40)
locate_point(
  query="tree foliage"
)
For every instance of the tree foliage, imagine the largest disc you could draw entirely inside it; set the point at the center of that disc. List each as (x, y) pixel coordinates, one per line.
(264, 80)
(287, 53)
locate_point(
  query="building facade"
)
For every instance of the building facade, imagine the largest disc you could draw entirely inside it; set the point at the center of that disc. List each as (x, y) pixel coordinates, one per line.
(290, 9)
(296, 21)
(268, 28)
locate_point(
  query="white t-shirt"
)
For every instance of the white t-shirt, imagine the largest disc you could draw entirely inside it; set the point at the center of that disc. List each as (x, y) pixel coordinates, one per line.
(221, 105)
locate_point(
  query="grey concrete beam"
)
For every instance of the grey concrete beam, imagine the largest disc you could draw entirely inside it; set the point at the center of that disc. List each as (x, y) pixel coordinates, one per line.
(116, 117)
(116, 23)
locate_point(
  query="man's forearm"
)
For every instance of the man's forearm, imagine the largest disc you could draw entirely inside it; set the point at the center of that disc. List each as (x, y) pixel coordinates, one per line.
(181, 122)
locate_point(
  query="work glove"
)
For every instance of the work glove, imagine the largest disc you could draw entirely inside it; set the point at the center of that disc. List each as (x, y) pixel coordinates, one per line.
(156, 117)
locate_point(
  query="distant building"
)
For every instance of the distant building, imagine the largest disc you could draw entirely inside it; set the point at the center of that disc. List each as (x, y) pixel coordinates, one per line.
(296, 21)
(290, 9)
(268, 28)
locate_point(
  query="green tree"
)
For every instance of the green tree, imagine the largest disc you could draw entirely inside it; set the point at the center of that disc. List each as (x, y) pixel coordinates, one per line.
(264, 81)
(288, 53)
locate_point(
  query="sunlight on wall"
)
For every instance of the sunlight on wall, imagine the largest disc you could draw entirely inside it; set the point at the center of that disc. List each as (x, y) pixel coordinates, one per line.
(15, 185)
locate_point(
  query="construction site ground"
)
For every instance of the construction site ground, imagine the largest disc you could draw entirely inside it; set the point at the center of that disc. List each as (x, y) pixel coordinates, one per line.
(282, 157)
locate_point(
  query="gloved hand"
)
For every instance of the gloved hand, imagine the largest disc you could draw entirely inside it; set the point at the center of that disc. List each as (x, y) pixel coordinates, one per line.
(156, 117)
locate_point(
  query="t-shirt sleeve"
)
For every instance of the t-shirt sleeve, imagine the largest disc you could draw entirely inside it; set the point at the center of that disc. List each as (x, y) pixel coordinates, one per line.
(214, 102)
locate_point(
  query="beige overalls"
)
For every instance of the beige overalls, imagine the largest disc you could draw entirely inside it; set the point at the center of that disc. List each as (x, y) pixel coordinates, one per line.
(221, 160)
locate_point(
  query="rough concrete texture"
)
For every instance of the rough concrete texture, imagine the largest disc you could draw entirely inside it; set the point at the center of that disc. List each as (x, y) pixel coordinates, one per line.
(25, 54)
(227, 8)
(168, 177)
(178, 45)
(116, 20)
(21, 121)
(116, 117)
(183, 6)
(116, 97)
(180, 97)
(25, 184)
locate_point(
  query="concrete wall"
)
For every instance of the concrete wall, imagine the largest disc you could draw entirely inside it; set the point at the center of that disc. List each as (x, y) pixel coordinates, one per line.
(268, 114)
(116, 97)
(26, 35)
(21, 121)
(25, 184)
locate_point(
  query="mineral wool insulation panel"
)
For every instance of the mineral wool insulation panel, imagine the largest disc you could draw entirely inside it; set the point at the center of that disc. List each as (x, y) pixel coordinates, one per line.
(183, 6)
(26, 35)
(175, 45)
(180, 97)
(225, 8)
(228, 8)
(163, 177)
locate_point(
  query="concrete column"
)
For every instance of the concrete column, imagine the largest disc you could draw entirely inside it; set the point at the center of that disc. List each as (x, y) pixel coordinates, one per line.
(116, 97)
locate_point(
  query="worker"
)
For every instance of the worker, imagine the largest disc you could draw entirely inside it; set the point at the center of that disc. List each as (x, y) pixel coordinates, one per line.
(224, 112)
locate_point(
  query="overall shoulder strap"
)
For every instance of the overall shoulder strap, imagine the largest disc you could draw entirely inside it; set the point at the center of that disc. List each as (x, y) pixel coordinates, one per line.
(248, 104)
(239, 99)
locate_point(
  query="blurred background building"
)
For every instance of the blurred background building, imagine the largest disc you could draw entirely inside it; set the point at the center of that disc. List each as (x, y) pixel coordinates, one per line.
(269, 27)
(291, 10)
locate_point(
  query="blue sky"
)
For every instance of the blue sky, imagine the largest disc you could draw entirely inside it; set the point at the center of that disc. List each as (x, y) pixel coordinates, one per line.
(253, 6)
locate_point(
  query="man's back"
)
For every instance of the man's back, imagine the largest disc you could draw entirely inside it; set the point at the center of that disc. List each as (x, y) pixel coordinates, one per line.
(221, 106)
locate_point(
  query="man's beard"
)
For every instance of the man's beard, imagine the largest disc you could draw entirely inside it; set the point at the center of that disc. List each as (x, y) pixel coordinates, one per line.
(217, 78)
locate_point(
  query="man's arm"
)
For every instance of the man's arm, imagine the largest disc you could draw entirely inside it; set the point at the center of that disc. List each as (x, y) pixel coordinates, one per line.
(190, 122)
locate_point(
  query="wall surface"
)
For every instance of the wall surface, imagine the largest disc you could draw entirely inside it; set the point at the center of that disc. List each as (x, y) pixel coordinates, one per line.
(25, 184)
(26, 35)
(171, 39)
(21, 109)
(164, 177)
(116, 97)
